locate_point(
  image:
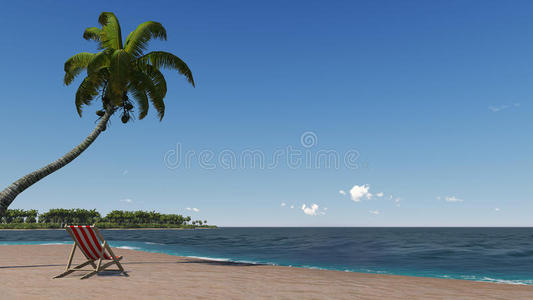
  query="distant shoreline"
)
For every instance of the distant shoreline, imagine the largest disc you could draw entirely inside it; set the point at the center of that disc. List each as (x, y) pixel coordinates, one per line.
(57, 218)
(154, 228)
(34, 226)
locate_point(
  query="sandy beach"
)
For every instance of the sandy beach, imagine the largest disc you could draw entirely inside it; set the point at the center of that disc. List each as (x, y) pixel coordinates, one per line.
(26, 273)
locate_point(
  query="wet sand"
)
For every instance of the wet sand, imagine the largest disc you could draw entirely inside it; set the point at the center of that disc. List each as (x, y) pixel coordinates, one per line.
(26, 273)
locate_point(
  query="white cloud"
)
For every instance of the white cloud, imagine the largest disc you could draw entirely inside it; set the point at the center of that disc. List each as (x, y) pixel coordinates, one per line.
(310, 211)
(497, 108)
(283, 204)
(125, 172)
(496, 209)
(360, 191)
(292, 206)
(127, 200)
(452, 199)
(380, 194)
(374, 212)
(397, 200)
(342, 192)
(193, 209)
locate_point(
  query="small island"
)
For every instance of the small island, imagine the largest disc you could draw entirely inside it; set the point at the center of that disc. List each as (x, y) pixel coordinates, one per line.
(116, 219)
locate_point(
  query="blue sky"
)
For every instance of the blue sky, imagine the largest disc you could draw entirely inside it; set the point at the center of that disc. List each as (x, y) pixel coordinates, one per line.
(433, 96)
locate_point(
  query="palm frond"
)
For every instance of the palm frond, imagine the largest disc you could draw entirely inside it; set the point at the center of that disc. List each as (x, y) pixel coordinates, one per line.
(128, 38)
(158, 79)
(75, 65)
(111, 35)
(88, 89)
(93, 33)
(120, 68)
(99, 61)
(138, 39)
(165, 60)
(143, 82)
(140, 97)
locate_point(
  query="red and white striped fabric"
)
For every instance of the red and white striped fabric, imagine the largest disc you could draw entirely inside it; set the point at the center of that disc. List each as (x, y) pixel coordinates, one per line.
(88, 242)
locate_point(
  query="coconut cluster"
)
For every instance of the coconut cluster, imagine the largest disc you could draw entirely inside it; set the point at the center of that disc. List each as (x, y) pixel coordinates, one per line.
(127, 110)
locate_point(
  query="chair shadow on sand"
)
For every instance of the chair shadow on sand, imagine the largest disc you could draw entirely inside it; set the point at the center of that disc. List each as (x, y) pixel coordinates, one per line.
(219, 263)
(197, 261)
(117, 273)
(30, 266)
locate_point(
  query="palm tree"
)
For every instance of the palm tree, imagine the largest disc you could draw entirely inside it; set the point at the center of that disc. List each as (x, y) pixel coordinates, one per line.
(119, 71)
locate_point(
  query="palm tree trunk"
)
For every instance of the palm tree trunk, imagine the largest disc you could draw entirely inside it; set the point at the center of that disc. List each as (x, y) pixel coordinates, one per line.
(11, 192)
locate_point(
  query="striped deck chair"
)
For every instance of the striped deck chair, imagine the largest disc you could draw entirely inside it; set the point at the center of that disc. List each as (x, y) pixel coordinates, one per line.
(95, 249)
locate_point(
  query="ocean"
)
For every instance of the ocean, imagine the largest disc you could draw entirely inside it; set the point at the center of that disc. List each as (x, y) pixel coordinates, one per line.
(482, 254)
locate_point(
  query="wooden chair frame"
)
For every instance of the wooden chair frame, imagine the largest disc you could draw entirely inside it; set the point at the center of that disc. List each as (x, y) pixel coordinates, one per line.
(96, 264)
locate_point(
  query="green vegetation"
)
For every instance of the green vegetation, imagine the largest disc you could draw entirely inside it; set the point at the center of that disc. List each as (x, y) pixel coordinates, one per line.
(119, 71)
(57, 218)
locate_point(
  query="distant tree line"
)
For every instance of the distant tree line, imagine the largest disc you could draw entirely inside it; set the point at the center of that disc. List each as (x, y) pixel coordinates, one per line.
(20, 216)
(144, 217)
(116, 218)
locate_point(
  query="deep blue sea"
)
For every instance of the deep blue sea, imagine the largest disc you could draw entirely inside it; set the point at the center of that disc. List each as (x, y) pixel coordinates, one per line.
(482, 254)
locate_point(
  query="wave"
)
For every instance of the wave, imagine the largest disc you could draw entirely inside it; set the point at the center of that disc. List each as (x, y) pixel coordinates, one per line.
(498, 280)
(210, 258)
(152, 243)
(128, 248)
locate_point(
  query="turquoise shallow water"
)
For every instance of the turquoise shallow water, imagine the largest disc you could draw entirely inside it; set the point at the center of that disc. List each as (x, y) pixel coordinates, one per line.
(481, 254)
